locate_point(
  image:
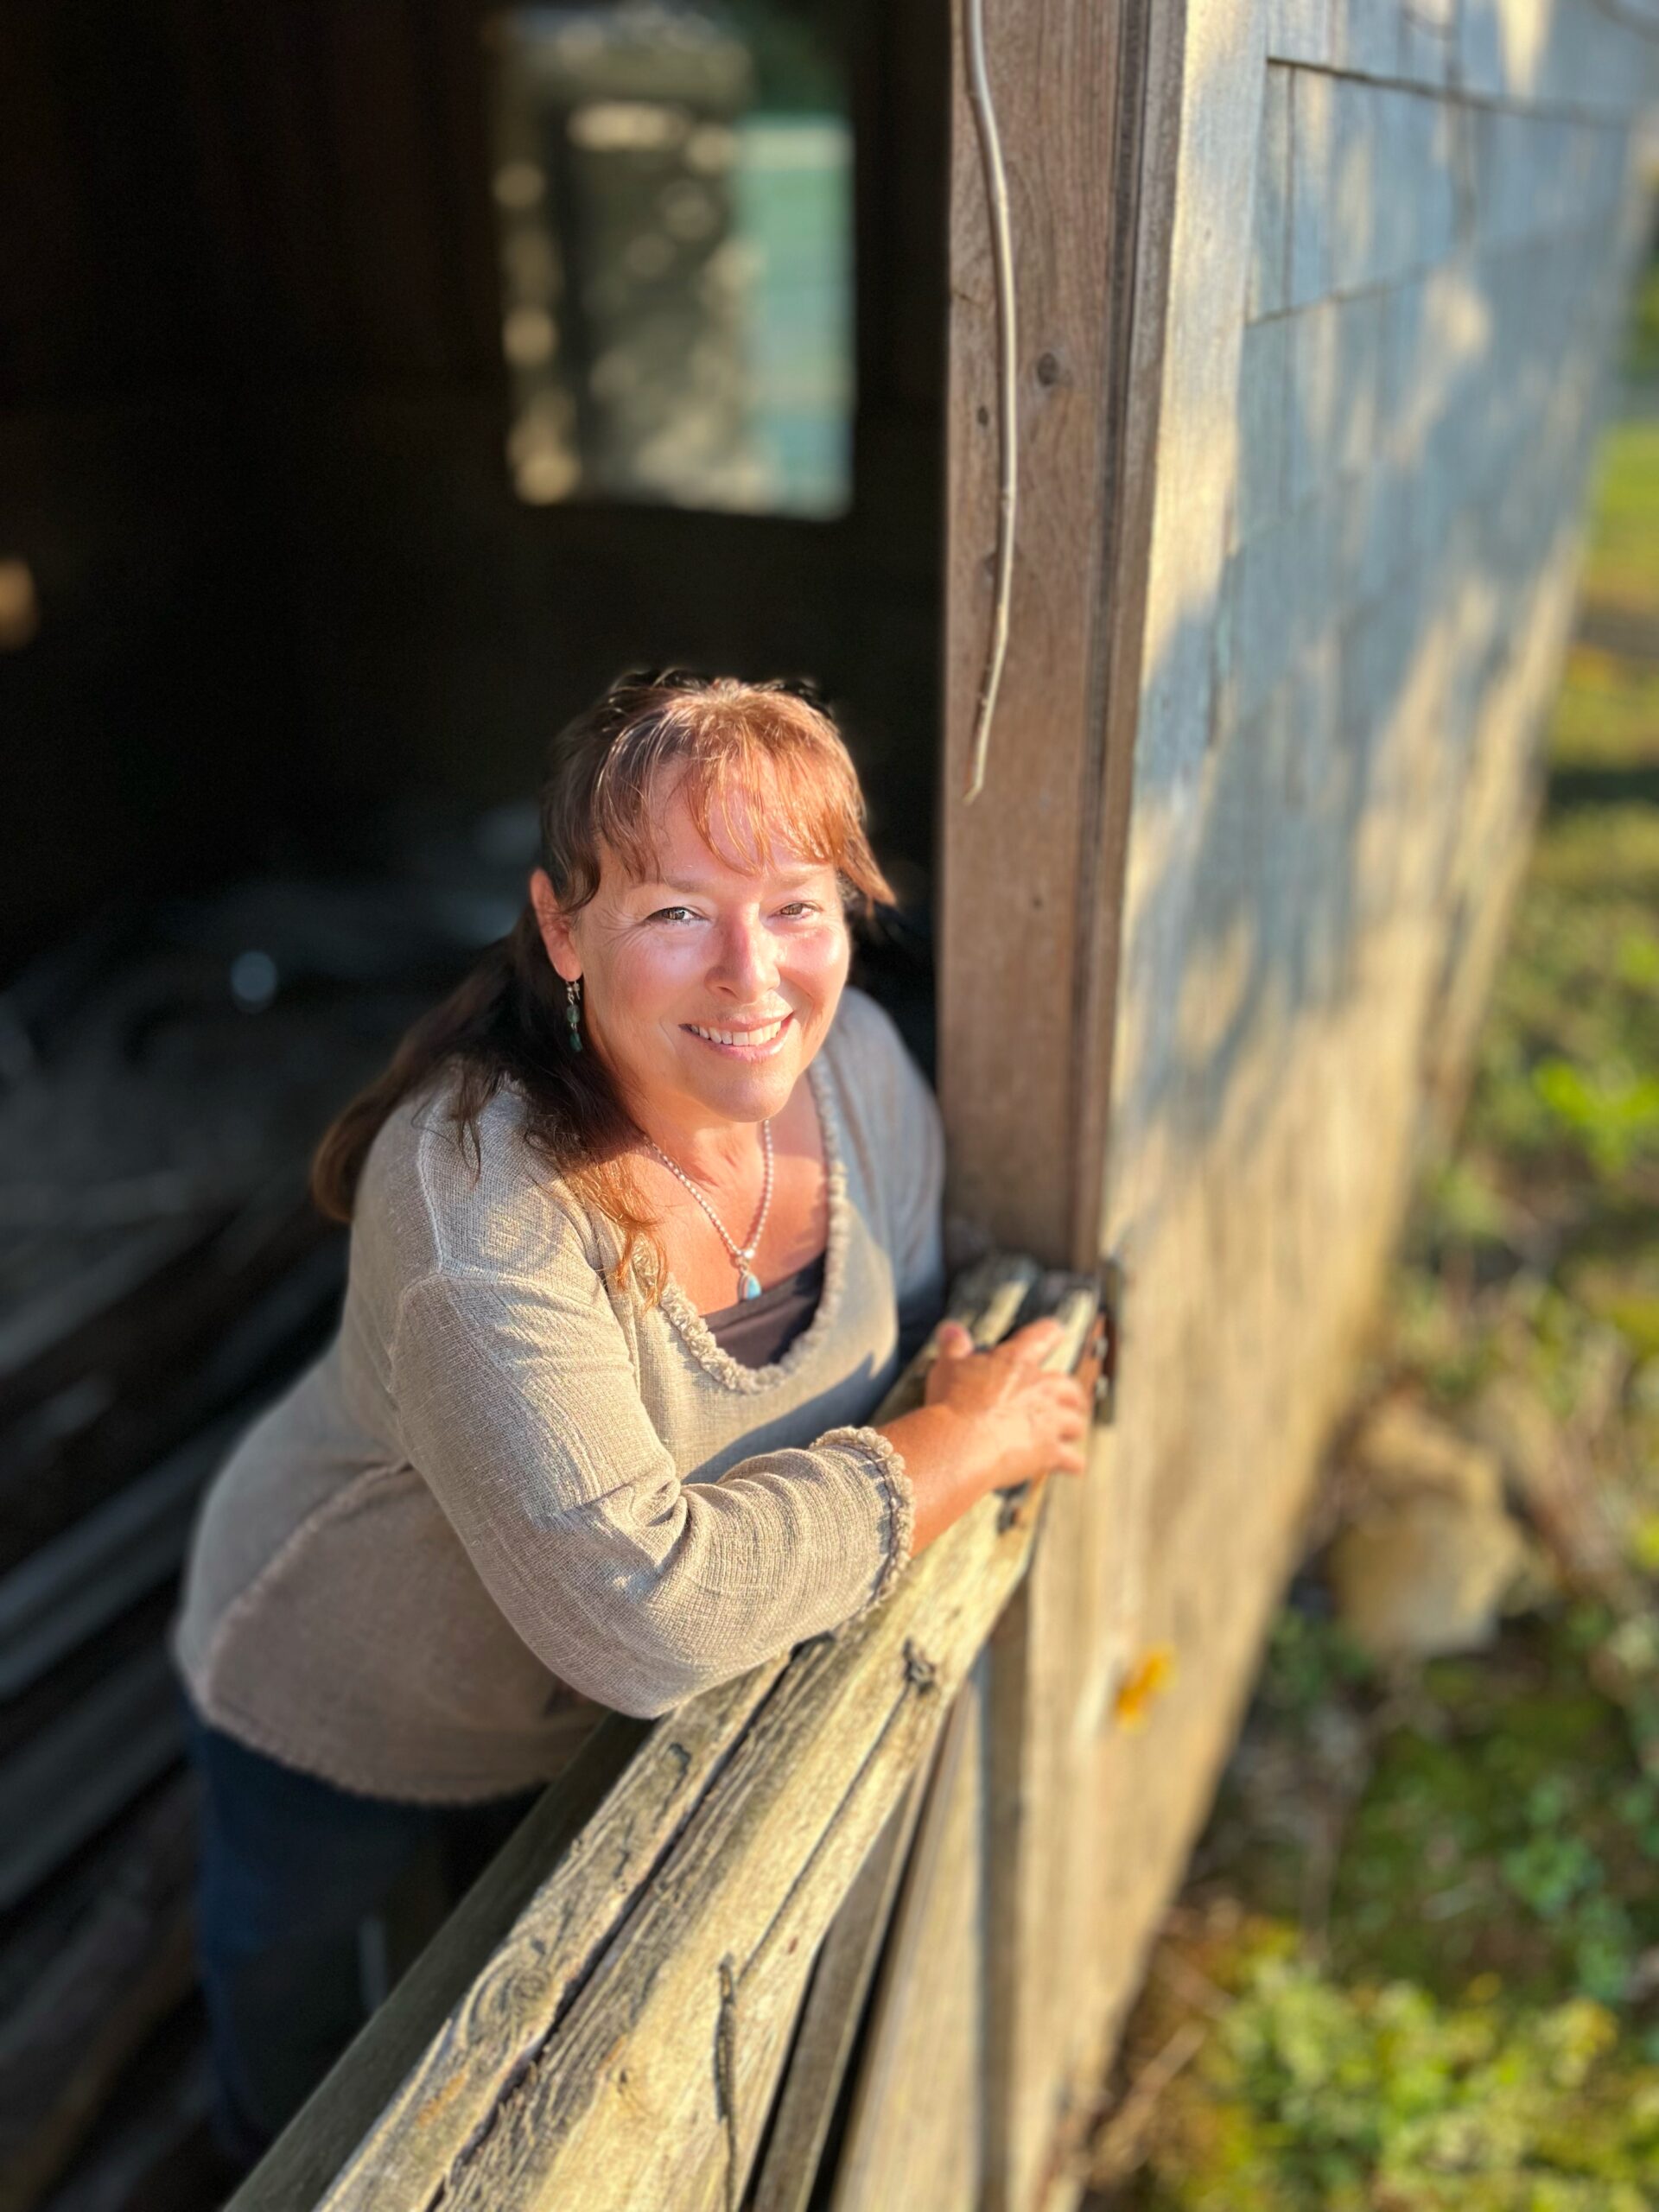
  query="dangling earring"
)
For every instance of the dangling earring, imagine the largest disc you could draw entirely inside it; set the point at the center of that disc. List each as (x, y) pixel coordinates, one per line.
(573, 1012)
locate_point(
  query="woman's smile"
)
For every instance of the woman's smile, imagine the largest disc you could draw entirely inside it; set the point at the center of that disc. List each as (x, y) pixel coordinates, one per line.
(760, 1041)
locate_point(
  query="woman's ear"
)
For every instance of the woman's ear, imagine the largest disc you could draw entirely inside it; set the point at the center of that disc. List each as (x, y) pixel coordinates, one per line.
(554, 927)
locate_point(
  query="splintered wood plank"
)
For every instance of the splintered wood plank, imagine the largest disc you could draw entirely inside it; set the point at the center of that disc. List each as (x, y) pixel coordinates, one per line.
(751, 2046)
(624, 2106)
(817, 2064)
(382, 2128)
(913, 2135)
(935, 2012)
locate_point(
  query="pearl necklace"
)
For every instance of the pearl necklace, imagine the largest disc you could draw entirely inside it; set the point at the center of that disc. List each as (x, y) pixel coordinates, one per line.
(748, 1283)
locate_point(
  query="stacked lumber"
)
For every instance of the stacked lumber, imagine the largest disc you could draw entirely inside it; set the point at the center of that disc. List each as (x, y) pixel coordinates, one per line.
(163, 1078)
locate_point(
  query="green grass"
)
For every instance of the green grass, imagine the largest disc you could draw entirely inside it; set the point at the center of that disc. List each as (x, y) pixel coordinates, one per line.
(1623, 557)
(1313, 2096)
(1641, 348)
(1608, 714)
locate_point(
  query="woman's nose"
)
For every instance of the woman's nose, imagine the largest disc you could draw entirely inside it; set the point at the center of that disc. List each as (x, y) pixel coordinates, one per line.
(748, 961)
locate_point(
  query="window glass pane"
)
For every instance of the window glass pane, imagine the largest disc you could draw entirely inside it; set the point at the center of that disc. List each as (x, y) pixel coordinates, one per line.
(674, 195)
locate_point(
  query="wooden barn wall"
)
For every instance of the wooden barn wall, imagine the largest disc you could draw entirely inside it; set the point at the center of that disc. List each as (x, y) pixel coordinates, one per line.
(1402, 241)
(252, 426)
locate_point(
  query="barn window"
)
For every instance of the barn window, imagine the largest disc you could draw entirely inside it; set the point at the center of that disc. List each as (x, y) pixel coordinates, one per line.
(674, 200)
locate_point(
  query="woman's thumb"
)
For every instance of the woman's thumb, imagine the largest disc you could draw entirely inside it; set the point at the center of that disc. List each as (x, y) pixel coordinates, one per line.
(953, 1340)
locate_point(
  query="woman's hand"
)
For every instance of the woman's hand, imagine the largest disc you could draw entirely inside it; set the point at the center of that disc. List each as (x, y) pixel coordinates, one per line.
(991, 1419)
(1033, 1423)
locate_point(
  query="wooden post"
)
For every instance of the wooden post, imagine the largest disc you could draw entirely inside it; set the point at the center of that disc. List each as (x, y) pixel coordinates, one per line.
(1032, 868)
(1032, 883)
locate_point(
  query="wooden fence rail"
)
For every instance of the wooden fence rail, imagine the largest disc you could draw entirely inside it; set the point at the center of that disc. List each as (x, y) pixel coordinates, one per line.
(627, 1997)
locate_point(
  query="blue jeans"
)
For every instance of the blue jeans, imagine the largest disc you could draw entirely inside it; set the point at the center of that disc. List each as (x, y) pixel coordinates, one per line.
(310, 1900)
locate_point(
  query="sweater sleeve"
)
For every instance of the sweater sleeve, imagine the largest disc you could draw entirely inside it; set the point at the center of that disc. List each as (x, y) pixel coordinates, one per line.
(518, 1404)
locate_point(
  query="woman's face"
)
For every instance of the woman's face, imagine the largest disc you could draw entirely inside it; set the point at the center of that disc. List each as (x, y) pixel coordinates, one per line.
(707, 952)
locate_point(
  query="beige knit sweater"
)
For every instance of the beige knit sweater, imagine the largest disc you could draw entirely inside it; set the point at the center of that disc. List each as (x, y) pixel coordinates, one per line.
(507, 1497)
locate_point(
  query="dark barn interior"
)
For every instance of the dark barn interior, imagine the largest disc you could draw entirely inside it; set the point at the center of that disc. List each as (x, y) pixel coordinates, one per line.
(347, 446)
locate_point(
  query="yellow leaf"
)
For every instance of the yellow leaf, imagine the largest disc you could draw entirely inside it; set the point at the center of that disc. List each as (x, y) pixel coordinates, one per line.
(1142, 1682)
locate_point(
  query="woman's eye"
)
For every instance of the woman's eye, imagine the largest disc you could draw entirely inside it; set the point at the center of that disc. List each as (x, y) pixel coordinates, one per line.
(800, 906)
(666, 913)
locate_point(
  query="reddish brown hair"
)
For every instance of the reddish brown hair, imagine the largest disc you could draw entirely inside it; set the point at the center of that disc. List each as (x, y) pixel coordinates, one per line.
(774, 747)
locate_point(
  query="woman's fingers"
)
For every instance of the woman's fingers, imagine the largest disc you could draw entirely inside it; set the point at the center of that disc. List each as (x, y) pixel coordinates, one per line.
(1036, 1340)
(1052, 1406)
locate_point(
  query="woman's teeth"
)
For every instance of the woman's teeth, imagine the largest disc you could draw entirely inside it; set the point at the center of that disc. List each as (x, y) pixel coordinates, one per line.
(739, 1036)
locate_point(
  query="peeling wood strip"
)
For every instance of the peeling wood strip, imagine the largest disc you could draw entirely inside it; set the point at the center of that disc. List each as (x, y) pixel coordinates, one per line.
(755, 2029)
(423, 2073)
(911, 2132)
(846, 1967)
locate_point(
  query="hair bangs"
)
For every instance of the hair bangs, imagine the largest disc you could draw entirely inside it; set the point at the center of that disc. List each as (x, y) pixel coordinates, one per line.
(763, 775)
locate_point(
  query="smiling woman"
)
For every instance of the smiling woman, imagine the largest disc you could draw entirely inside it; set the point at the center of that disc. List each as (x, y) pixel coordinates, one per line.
(549, 1467)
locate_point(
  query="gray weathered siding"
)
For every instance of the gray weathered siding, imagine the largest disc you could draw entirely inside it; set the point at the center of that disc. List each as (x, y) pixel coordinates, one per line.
(1403, 239)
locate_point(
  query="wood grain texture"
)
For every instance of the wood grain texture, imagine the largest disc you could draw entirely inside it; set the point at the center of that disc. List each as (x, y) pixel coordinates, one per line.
(1100, 137)
(817, 2064)
(623, 2106)
(1018, 994)
(301, 2167)
(425, 2074)
(936, 2066)
(914, 2131)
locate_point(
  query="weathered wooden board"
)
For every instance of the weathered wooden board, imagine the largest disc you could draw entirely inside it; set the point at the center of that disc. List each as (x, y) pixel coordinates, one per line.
(908, 2140)
(1091, 123)
(817, 2064)
(624, 2106)
(423, 2077)
(752, 2043)
(1051, 1673)
(913, 2135)
(1018, 994)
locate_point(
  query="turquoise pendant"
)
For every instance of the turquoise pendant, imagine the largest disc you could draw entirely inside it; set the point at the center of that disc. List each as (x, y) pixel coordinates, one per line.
(750, 1286)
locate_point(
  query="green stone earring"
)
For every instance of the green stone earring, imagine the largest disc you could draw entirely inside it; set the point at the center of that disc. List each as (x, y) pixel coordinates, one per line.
(573, 1011)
